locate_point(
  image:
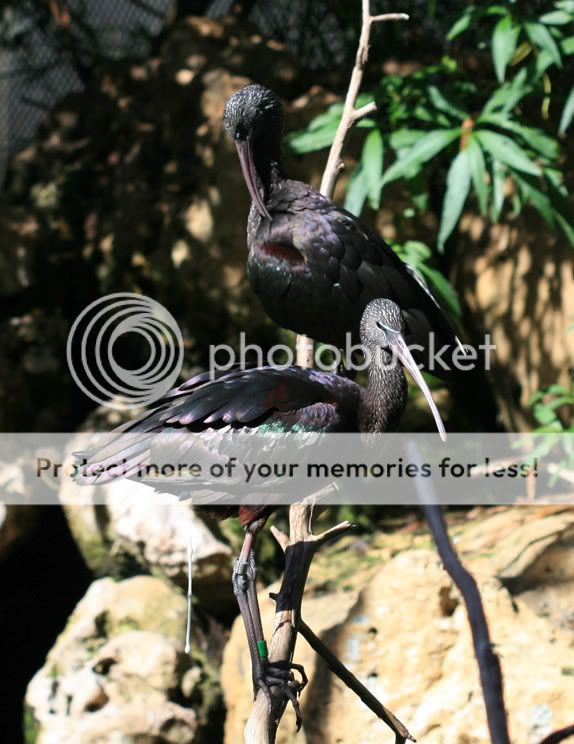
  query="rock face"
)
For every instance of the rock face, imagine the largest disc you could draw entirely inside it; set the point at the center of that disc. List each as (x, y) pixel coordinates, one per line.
(523, 297)
(118, 672)
(402, 629)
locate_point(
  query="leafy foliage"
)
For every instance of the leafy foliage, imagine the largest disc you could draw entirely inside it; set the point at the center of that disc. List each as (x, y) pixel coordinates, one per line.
(487, 135)
(553, 409)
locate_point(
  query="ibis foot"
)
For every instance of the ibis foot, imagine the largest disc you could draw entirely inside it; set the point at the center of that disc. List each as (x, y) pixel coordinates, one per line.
(279, 674)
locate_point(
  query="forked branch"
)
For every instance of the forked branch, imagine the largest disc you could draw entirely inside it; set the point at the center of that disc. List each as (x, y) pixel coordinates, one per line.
(349, 117)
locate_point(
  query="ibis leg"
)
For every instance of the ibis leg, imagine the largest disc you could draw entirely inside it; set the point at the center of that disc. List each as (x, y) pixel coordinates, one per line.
(265, 674)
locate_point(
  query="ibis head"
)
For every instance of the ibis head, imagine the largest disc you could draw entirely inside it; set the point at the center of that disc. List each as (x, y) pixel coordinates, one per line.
(253, 118)
(382, 336)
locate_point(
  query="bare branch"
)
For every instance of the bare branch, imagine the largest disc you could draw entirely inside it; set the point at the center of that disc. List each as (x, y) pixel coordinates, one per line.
(262, 725)
(304, 349)
(349, 116)
(488, 662)
(280, 536)
(360, 113)
(349, 679)
(390, 17)
(557, 736)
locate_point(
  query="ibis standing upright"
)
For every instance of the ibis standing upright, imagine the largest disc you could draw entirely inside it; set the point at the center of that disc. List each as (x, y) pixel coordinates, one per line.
(203, 412)
(313, 265)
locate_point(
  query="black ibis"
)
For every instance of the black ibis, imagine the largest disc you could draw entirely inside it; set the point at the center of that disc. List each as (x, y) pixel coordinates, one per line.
(313, 265)
(263, 399)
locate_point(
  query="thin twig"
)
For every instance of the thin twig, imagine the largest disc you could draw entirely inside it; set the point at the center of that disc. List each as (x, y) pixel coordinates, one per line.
(349, 679)
(349, 116)
(488, 662)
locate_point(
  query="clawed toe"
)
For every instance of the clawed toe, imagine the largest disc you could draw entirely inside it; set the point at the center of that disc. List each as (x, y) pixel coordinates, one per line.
(279, 674)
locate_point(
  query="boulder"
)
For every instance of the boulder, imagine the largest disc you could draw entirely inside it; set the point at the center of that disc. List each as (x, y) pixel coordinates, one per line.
(118, 672)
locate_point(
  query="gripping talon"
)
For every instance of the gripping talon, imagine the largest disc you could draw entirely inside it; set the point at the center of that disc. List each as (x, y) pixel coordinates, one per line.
(279, 674)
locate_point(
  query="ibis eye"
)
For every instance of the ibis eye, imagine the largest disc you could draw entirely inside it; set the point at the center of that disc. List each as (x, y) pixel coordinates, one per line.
(240, 132)
(383, 327)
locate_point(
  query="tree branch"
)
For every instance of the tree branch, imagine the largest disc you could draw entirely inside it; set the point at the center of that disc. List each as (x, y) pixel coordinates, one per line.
(349, 679)
(557, 736)
(262, 725)
(349, 116)
(488, 662)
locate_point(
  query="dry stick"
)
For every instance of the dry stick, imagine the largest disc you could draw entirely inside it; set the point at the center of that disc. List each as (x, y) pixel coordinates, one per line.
(346, 676)
(349, 117)
(299, 549)
(262, 725)
(350, 114)
(333, 663)
(488, 662)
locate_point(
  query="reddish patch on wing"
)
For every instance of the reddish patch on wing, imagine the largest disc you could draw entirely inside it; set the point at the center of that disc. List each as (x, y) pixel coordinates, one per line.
(283, 253)
(278, 396)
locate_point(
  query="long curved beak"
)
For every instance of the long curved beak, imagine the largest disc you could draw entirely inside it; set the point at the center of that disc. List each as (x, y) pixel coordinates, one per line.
(399, 347)
(245, 152)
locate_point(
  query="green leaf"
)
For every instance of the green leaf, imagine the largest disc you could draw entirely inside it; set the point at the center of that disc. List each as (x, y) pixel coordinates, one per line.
(505, 150)
(331, 115)
(539, 200)
(541, 37)
(441, 102)
(508, 95)
(567, 46)
(357, 191)
(443, 289)
(504, 40)
(478, 172)
(556, 18)
(461, 25)
(425, 149)
(416, 251)
(309, 141)
(498, 173)
(457, 188)
(533, 137)
(404, 138)
(372, 166)
(562, 210)
(567, 113)
(539, 65)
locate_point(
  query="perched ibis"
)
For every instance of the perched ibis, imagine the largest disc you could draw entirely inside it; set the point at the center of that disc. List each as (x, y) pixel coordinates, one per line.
(265, 399)
(313, 265)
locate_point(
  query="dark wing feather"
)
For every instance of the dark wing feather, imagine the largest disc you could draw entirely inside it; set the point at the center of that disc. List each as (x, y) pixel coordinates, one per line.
(202, 415)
